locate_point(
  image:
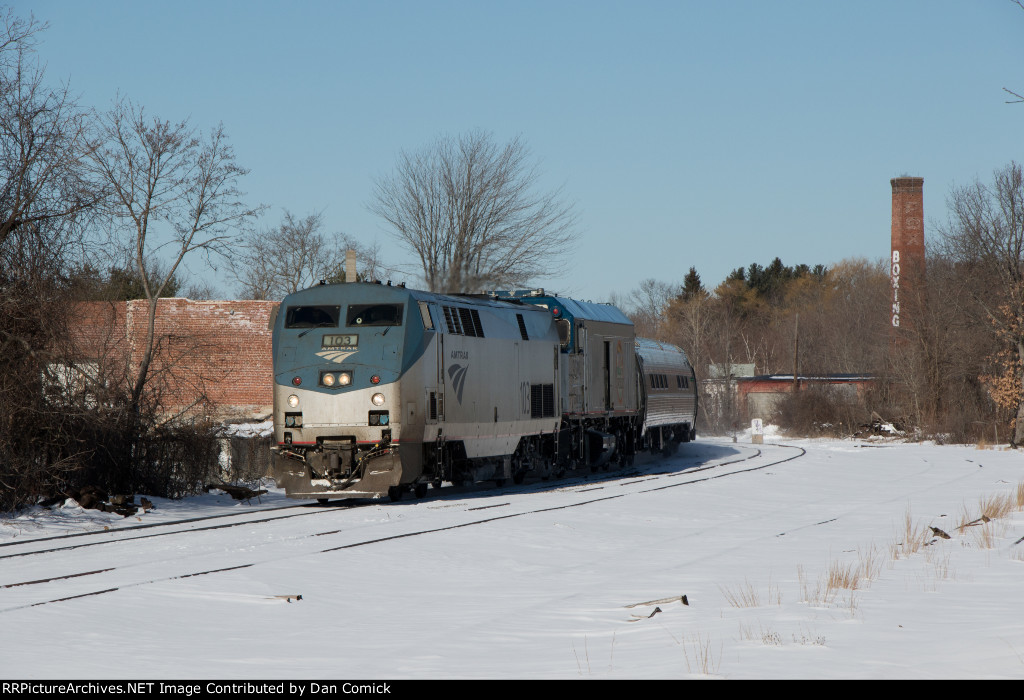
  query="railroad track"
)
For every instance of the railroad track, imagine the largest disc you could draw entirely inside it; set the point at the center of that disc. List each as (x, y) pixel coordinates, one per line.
(108, 571)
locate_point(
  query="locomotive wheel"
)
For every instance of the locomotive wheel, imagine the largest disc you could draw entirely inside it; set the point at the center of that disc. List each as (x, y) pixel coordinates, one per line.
(421, 489)
(395, 493)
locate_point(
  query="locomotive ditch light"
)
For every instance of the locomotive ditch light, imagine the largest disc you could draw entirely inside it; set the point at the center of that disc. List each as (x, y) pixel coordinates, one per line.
(293, 400)
(377, 399)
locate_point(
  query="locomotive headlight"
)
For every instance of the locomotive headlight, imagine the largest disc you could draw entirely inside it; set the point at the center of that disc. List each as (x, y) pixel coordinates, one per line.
(327, 378)
(377, 399)
(293, 400)
(345, 378)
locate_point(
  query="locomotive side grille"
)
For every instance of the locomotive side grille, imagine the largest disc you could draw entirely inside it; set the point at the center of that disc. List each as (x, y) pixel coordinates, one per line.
(522, 327)
(452, 320)
(433, 406)
(462, 321)
(542, 400)
(467, 321)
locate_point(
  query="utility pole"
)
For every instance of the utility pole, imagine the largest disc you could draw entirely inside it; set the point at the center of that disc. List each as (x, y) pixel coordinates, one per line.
(796, 354)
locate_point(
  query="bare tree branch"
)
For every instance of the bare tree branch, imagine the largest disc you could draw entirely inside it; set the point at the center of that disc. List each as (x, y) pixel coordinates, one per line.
(43, 139)
(985, 236)
(169, 188)
(297, 254)
(469, 210)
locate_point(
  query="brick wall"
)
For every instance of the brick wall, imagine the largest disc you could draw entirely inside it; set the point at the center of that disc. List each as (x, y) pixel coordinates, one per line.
(212, 356)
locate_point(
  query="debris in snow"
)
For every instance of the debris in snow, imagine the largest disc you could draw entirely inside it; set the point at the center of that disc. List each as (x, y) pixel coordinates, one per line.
(248, 430)
(878, 426)
(672, 599)
(939, 533)
(980, 521)
(94, 498)
(646, 617)
(239, 493)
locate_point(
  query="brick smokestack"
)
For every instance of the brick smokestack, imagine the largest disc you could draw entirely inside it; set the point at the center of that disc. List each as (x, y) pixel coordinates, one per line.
(907, 260)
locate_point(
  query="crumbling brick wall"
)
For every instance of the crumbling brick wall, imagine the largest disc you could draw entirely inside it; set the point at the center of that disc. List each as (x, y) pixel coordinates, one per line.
(212, 356)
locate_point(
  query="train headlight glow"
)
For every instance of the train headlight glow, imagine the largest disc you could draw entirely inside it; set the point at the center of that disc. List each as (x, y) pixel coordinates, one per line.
(377, 399)
(327, 378)
(345, 378)
(293, 400)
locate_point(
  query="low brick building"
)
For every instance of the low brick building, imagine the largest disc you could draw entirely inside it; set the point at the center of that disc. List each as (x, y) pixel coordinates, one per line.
(213, 357)
(759, 396)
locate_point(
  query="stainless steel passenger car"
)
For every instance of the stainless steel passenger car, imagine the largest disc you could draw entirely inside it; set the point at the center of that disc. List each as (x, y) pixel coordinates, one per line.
(669, 393)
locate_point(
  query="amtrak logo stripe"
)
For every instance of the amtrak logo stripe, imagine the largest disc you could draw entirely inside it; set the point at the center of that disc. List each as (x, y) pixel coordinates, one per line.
(457, 373)
(334, 355)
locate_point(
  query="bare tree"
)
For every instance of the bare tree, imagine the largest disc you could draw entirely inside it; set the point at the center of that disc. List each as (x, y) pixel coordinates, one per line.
(468, 209)
(297, 254)
(647, 305)
(1019, 97)
(170, 189)
(985, 236)
(43, 140)
(45, 194)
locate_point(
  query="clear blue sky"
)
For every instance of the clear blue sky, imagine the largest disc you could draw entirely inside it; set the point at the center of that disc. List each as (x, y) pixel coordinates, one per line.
(712, 134)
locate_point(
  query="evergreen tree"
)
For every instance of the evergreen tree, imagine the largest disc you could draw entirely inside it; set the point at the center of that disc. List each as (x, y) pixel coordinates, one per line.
(692, 286)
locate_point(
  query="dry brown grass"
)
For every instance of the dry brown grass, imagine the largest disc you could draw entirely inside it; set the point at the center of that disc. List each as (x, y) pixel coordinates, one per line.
(744, 596)
(988, 535)
(807, 594)
(940, 565)
(699, 657)
(991, 508)
(768, 637)
(854, 576)
(996, 506)
(911, 539)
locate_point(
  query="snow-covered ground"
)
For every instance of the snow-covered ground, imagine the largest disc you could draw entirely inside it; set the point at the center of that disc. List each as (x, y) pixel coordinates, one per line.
(577, 579)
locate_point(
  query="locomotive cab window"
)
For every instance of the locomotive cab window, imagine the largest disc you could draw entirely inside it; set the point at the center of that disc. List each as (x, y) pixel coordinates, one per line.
(564, 332)
(374, 315)
(312, 316)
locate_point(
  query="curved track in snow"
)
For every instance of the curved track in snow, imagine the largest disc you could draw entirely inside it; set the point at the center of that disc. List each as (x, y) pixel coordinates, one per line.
(125, 563)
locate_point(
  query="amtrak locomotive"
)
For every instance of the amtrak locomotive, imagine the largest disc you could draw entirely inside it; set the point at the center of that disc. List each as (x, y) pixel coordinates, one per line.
(382, 390)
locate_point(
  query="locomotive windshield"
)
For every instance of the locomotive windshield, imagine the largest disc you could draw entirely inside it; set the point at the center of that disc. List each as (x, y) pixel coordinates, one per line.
(312, 316)
(374, 315)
